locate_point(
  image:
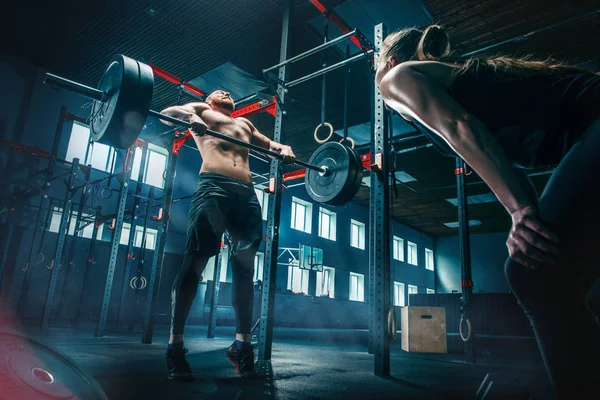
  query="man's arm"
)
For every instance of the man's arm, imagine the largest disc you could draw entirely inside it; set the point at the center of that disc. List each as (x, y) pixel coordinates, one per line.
(185, 112)
(266, 143)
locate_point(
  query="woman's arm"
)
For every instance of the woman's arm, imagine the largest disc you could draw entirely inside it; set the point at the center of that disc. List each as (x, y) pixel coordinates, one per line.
(410, 92)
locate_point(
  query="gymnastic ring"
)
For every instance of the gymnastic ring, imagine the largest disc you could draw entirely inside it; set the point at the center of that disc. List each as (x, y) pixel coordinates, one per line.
(102, 193)
(349, 139)
(144, 283)
(326, 124)
(460, 329)
(42, 259)
(392, 324)
(133, 283)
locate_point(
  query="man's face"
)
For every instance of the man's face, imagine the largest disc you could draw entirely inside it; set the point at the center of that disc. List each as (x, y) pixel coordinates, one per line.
(222, 99)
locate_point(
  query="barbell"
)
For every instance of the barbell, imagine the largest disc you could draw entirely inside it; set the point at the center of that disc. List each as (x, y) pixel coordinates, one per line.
(122, 105)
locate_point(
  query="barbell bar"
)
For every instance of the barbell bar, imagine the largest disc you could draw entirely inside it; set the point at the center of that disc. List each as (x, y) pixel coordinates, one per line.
(103, 96)
(122, 105)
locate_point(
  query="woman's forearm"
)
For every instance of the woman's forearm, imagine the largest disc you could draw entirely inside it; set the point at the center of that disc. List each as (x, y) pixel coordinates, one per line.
(476, 145)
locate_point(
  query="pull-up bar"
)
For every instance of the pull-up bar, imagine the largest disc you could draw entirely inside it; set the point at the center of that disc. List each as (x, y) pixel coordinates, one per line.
(311, 51)
(329, 68)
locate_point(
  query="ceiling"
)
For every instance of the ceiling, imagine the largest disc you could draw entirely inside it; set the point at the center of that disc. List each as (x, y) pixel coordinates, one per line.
(189, 38)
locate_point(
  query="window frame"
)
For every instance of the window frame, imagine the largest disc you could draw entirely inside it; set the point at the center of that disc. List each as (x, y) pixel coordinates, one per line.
(361, 227)
(332, 217)
(297, 202)
(400, 248)
(409, 259)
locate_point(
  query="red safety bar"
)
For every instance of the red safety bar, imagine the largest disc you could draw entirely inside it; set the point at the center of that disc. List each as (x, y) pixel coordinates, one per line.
(256, 108)
(288, 176)
(176, 80)
(180, 140)
(333, 17)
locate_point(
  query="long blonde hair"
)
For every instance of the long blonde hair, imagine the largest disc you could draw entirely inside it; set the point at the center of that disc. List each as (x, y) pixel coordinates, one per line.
(433, 44)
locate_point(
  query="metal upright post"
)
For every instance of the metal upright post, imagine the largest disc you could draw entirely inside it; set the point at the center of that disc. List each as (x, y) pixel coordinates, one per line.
(130, 242)
(44, 199)
(114, 252)
(465, 262)
(6, 249)
(212, 319)
(159, 252)
(63, 231)
(90, 259)
(142, 257)
(267, 313)
(379, 264)
(76, 235)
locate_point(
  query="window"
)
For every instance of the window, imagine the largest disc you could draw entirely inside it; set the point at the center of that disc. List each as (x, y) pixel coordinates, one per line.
(154, 167)
(399, 294)
(412, 253)
(412, 289)
(86, 219)
(209, 271)
(357, 287)
(327, 223)
(137, 239)
(430, 291)
(297, 279)
(357, 234)
(263, 199)
(398, 248)
(301, 215)
(429, 259)
(325, 282)
(99, 155)
(259, 262)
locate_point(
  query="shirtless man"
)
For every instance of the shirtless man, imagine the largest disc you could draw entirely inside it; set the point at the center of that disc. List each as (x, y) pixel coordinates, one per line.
(224, 201)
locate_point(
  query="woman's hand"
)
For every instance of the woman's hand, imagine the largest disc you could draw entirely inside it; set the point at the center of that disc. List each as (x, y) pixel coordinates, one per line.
(529, 242)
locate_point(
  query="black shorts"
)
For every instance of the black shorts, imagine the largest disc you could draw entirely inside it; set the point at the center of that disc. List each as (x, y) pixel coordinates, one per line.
(223, 205)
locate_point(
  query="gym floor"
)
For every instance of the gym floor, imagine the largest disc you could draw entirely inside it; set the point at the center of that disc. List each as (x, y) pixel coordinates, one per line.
(306, 364)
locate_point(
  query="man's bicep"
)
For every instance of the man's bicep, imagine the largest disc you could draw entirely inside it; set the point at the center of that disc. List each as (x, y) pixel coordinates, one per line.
(260, 139)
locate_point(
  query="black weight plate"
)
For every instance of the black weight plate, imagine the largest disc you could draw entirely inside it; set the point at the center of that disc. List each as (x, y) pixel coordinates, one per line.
(30, 370)
(330, 188)
(359, 174)
(350, 190)
(120, 119)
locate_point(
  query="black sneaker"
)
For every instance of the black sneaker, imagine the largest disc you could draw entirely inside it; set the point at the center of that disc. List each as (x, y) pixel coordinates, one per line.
(243, 359)
(177, 366)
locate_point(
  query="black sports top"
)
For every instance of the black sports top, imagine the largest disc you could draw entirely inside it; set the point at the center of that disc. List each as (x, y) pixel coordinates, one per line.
(536, 117)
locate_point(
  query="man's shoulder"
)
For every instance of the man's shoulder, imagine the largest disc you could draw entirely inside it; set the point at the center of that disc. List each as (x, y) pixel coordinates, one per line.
(198, 107)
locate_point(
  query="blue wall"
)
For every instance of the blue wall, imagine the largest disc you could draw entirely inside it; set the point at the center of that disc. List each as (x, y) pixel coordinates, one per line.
(488, 254)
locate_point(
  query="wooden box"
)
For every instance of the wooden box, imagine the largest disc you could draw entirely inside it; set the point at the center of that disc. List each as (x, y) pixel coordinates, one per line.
(424, 329)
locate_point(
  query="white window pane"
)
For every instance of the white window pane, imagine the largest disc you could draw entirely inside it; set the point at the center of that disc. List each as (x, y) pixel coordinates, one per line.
(319, 288)
(151, 239)
(155, 169)
(259, 196)
(290, 277)
(124, 233)
(137, 161)
(78, 142)
(101, 155)
(354, 236)
(304, 288)
(300, 216)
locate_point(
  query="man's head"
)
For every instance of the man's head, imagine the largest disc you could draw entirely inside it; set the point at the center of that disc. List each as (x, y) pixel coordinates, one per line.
(221, 99)
(412, 44)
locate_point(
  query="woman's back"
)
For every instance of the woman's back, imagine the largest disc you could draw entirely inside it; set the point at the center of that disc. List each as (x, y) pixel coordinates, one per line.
(536, 115)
